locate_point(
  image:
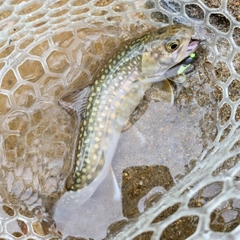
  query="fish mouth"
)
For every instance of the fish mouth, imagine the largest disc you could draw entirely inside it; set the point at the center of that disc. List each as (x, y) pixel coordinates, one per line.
(193, 45)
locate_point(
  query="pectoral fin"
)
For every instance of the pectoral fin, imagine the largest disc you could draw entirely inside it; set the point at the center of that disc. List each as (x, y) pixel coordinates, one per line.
(161, 91)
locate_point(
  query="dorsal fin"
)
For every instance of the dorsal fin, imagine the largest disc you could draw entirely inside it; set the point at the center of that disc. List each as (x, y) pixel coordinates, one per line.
(75, 103)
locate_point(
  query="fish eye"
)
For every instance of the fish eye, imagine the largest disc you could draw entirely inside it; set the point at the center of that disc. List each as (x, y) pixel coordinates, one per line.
(171, 46)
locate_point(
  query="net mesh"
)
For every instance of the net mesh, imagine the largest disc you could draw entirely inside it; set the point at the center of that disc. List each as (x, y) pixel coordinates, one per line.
(50, 48)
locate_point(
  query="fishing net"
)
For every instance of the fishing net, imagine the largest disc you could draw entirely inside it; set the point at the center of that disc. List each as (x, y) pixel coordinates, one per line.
(178, 167)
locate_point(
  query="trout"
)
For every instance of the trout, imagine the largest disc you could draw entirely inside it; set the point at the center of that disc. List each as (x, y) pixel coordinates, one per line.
(105, 106)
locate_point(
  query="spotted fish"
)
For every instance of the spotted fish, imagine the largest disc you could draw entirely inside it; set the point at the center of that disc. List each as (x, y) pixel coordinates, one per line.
(104, 107)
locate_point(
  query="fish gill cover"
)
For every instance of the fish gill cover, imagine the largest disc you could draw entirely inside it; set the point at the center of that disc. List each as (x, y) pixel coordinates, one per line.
(178, 166)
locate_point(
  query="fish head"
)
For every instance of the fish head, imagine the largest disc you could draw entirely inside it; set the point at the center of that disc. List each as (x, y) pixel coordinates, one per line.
(167, 47)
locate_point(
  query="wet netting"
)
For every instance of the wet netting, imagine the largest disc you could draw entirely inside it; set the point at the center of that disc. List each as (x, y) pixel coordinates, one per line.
(178, 168)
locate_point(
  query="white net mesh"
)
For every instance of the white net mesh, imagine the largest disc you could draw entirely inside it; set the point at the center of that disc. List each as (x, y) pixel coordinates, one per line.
(50, 48)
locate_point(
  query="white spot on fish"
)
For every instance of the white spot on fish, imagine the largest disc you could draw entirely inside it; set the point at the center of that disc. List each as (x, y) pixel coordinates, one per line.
(89, 177)
(87, 161)
(88, 167)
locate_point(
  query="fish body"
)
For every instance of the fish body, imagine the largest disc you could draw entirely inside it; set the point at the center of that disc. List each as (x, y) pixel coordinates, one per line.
(116, 92)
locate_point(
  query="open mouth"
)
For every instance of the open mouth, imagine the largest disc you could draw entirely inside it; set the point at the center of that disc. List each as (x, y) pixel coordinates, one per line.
(186, 64)
(193, 45)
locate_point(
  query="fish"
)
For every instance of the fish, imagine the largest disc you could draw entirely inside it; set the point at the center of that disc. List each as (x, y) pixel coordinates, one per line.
(104, 108)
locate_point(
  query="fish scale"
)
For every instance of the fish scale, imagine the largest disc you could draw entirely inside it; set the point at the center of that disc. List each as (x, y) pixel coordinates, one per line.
(116, 92)
(91, 130)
